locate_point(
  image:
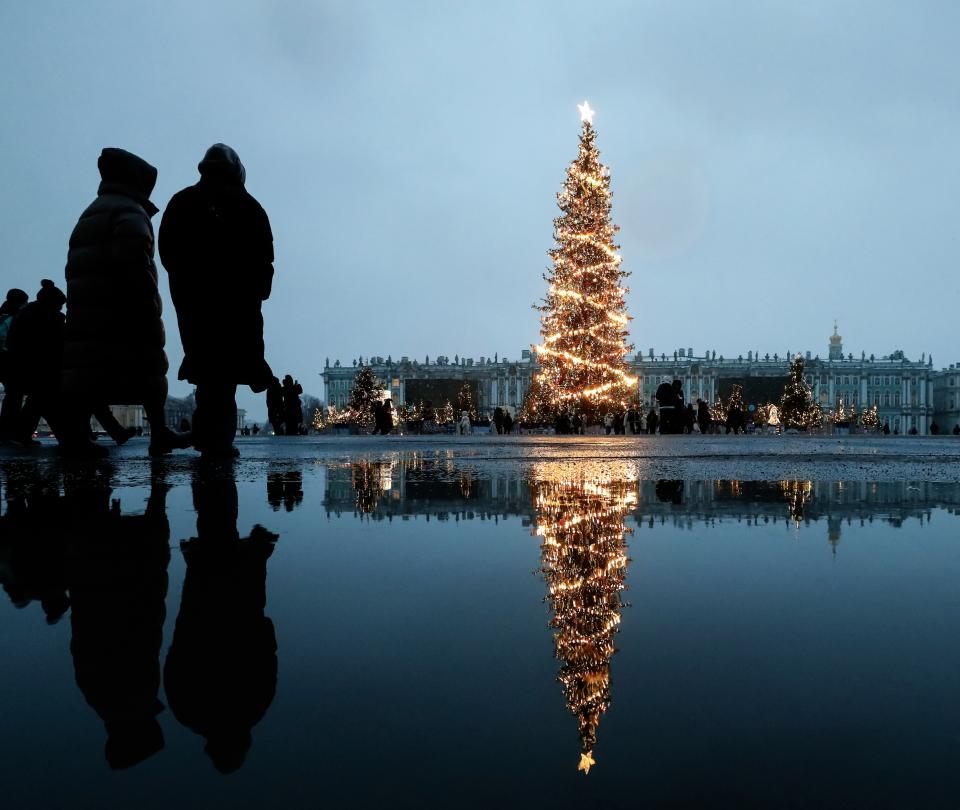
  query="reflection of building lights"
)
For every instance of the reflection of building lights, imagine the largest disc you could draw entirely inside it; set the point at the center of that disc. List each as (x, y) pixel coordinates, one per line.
(580, 520)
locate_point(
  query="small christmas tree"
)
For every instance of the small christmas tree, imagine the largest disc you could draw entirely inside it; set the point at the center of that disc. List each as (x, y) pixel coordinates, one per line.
(465, 400)
(797, 408)
(445, 415)
(584, 319)
(584, 561)
(367, 392)
(870, 418)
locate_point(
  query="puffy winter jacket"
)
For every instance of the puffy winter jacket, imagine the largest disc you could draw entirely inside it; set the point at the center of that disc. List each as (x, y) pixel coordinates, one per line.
(114, 346)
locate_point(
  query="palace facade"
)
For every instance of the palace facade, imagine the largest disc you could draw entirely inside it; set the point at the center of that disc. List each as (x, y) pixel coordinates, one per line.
(908, 393)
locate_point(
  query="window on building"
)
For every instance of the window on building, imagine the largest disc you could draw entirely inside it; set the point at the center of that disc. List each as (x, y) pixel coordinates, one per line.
(886, 399)
(897, 398)
(876, 397)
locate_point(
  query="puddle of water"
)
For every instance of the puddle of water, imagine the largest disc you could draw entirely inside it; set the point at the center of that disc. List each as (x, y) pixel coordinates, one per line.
(418, 631)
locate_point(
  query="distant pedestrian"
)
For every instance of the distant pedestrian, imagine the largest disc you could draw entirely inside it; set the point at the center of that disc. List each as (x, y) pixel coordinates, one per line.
(652, 422)
(35, 346)
(275, 406)
(667, 400)
(608, 423)
(956, 430)
(689, 418)
(886, 428)
(507, 421)
(577, 423)
(12, 397)
(256, 429)
(383, 417)
(498, 419)
(703, 416)
(217, 247)
(114, 339)
(292, 406)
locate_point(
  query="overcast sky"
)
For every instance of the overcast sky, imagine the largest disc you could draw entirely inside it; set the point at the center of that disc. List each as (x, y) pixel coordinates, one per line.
(775, 165)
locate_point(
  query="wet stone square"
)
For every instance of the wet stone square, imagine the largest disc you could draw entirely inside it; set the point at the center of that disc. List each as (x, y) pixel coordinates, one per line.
(537, 622)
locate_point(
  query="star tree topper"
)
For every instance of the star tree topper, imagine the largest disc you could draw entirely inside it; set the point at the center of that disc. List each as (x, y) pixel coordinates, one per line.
(586, 761)
(586, 114)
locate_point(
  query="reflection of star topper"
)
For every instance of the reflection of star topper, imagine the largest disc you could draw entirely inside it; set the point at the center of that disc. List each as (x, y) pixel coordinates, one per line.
(586, 760)
(586, 114)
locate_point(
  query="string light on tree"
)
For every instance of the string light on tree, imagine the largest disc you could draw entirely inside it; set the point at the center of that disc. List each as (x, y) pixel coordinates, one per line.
(583, 323)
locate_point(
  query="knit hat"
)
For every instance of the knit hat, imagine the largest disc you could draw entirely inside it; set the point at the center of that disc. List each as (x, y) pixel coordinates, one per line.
(51, 294)
(14, 301)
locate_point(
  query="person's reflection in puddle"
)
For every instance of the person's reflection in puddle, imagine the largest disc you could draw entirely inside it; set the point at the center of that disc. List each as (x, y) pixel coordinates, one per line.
(284, 488)
(32, 542)
(669, 491)
(221, 671)
(116, 571)
(583, 556)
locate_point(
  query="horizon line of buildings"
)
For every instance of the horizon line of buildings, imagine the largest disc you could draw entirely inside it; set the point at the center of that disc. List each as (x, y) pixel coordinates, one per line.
(908, 394)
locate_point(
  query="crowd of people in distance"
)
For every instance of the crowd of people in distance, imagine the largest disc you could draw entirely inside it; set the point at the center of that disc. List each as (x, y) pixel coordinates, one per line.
(668, 415)
(108, 348)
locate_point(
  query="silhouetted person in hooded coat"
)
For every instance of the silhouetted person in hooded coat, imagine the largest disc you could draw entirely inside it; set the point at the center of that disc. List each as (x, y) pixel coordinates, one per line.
(117, 577)
(114, 349)
(221, 670)
(217, 247)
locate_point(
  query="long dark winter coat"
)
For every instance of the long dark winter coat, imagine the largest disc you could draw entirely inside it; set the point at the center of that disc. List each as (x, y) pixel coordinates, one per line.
(114, 347)
(217, 247)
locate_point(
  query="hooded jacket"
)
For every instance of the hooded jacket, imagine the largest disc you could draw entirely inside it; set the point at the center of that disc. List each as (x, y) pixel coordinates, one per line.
(114, 347)
(217, 248)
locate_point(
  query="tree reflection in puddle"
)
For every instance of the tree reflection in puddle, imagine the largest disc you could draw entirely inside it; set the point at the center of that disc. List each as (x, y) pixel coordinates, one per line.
(583, 555)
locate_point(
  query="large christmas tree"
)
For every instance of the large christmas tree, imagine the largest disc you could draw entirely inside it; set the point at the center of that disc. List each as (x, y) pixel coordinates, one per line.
(584, 321)
(797, 408)
(584, 559)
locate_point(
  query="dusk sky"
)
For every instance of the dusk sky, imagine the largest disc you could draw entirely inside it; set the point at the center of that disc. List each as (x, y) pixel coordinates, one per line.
(775, 165)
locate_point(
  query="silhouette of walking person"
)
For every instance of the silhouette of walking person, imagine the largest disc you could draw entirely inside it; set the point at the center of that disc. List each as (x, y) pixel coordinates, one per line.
(117, 578)
(35, 346)
(275, 406)
(217, 247)
(221, 671)
(35, 343)
(12, 395)
(114, 342)
(292, 406)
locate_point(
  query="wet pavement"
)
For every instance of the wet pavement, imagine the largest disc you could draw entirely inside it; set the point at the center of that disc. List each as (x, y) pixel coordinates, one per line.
(466, 622)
